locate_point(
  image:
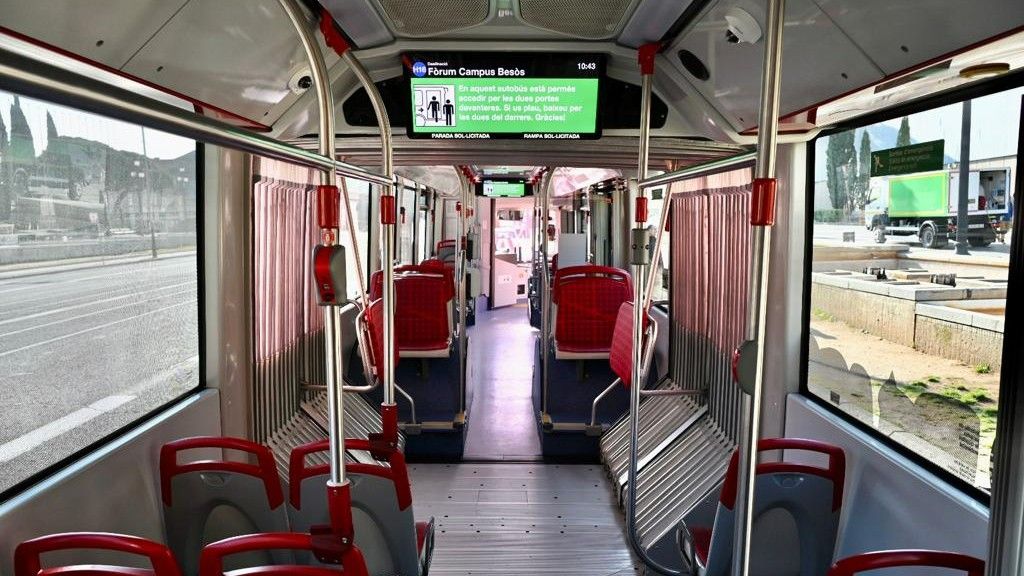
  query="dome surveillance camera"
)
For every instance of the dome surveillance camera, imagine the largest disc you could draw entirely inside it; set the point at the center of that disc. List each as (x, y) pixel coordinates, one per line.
(742, 27)
(300, 81)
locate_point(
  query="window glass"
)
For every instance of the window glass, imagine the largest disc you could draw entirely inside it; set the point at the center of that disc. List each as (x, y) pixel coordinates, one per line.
(98, 279)
(405, 225)
(906, 327)
(359, 203)
(656, 205)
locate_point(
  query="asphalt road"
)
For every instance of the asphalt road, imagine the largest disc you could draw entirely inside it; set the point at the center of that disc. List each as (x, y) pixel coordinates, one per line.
(86, 351)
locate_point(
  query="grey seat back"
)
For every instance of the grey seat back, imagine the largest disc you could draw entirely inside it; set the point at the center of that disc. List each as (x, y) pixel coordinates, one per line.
(382, 513)
(209, 500)
(810, 495)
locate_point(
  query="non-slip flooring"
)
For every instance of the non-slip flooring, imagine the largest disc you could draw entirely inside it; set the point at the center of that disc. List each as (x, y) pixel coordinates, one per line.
(502, 423)
(521, 519)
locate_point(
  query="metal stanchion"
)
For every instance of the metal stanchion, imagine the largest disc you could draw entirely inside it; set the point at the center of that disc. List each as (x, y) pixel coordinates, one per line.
(640, 259)
(545, 291)
(762, 217)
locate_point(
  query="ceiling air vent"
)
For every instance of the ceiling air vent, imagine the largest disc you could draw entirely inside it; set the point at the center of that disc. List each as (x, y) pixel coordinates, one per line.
(585, 19)
(416, 18)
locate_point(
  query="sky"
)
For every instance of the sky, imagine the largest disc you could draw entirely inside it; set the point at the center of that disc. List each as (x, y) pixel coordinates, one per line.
(116, 134)
(995, 125)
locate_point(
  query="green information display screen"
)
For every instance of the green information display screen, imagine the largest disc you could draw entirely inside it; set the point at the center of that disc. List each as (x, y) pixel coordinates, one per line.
(499, 189)
(504, 95)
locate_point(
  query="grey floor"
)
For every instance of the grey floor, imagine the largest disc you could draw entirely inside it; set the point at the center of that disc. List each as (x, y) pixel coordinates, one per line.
(502, 425)
(521, 519)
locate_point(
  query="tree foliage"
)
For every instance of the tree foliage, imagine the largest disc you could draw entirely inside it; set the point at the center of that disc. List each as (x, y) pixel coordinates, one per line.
(840, 167)
(903, 136)
(861, 195)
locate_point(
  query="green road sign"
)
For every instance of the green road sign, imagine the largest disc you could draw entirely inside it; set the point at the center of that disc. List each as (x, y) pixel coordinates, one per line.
(923, 157)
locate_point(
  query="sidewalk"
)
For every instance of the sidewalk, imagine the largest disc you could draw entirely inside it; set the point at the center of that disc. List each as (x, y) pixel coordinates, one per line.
(53, 266)
(976, 258)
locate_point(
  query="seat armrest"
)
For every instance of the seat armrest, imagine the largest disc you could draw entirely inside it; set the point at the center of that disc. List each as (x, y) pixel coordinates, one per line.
(693, 546)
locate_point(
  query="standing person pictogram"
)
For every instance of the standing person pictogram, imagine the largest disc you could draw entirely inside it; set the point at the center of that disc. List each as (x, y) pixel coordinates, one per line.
(434, 107)
(449, 110)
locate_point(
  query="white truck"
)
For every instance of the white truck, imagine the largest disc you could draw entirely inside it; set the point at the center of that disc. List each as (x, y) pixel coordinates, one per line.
(925, 205)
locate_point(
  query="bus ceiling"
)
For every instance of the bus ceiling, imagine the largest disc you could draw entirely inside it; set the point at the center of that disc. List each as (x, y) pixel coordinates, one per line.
(841, 57)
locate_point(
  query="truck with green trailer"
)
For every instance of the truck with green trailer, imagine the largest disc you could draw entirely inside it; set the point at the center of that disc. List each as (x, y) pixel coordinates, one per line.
(925, 205)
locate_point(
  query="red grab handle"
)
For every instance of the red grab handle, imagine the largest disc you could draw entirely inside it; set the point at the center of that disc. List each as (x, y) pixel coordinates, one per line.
(265, 469)
(396, 471)
(908, 558)
(211, 561)
(27, 555)
(836, 470)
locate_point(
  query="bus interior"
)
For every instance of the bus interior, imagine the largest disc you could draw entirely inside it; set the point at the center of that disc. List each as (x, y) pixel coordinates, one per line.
(511, 287)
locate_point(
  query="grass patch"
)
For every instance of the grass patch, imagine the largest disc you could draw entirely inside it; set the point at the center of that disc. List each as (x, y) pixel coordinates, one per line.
(968, 396)
(820, 314)
(983, 369)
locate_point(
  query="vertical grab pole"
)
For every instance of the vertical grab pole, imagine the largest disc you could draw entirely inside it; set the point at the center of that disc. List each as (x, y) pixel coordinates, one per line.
(329, 273)
(460, 265)
(388, 211)
(545, 291)
(762, 217)
(327, 202)
(639, 258)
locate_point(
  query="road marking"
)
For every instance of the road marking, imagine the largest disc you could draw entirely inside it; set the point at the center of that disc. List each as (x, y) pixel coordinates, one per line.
(104, 311)
(154, 266)
(94, 302)
(100, 327)
(22, 444)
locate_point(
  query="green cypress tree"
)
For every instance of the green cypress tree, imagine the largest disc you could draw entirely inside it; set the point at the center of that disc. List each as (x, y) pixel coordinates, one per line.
(903, 136)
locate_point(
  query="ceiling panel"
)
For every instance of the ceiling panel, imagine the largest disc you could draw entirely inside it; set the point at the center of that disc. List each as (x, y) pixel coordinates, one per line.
(818, 61)
(898, 34)
(107, 31)
(651, 20)
(419, 18)
(589, 19)
(360, 21)
(236, 54)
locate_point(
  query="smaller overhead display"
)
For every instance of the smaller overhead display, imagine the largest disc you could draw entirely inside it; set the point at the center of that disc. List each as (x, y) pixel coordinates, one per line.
(503, 95)
(503, 189)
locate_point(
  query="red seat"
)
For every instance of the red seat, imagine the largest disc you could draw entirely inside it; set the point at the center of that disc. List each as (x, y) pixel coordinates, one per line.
(432, 266)
(905, 559)
(196, 493)
(812, 496)
(385, 528)
(588, 299)
(28, 561)
(621, 357)
(349, 559)
(701, 543)
(423, 314)
(375, 332)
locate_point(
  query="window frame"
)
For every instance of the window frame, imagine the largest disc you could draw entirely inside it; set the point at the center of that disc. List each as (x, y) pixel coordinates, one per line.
(40, 476)
(1003, 83)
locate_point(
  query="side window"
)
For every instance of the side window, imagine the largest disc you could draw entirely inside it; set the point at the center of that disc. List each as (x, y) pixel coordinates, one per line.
(906, 326)
(359, 203)
(656, 206)
(406, 223)
(99, 302)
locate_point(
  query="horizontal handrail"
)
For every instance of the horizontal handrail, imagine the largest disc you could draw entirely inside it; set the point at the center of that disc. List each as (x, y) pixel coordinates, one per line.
(37, 79)
(698, 170)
